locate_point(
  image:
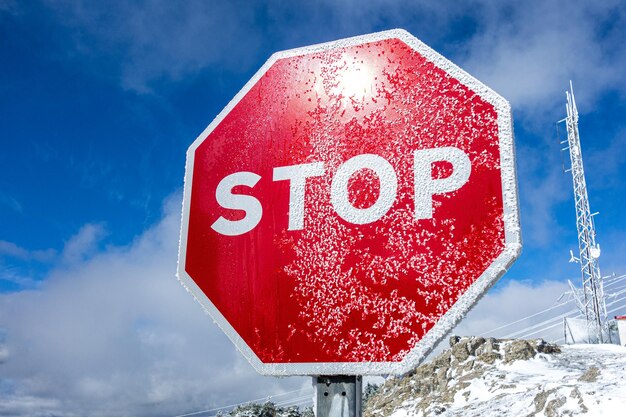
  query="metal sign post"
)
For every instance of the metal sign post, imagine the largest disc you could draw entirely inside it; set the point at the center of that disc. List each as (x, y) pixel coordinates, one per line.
(338, 395)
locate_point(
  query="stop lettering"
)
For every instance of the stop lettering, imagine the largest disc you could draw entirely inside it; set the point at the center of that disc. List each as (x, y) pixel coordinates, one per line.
(425, 188)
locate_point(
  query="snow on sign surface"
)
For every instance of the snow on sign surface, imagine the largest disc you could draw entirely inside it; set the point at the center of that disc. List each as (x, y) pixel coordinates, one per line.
(349, 205)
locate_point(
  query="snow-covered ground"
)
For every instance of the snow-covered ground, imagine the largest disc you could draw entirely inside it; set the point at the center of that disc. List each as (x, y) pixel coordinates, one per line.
(585, 380)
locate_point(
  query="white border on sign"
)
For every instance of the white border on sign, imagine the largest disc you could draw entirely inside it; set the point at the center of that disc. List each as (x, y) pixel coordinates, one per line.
(511, 252)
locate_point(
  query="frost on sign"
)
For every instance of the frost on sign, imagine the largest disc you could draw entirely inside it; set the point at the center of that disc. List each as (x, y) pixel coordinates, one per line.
(349, 206)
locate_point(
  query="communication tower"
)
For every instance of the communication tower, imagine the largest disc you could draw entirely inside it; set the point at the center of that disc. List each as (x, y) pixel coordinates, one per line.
(590, 298)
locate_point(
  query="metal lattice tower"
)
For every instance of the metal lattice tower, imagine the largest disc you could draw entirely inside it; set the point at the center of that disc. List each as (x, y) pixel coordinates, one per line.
(590, 298)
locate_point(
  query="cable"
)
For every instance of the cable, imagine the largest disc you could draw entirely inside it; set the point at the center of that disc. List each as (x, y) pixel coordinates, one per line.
(524, 336)
(525, 330)
(615, 294)
(302, 399)
(558, 324)
(616, 308)
(612, 281)
(615, 301)
(235, 405)
(528, 317)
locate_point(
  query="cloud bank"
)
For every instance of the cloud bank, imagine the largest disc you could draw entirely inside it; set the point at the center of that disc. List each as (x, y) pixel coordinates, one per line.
(113, 333)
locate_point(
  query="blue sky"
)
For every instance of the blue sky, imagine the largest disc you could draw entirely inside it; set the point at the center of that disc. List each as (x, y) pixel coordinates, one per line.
(99, 102)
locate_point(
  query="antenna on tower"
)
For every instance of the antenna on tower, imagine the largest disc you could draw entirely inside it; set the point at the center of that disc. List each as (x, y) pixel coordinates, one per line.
(590, 298)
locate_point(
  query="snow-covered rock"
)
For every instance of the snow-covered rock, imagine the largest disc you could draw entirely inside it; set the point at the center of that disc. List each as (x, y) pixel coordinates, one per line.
(491, 377)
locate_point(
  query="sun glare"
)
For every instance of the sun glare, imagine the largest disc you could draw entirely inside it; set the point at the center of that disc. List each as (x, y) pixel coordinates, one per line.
(357, 82)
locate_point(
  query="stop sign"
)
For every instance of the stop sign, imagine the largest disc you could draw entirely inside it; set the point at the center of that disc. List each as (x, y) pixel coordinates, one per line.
(349, 205)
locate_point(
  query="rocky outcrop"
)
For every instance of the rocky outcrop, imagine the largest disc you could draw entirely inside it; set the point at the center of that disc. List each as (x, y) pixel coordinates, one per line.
(433, 386)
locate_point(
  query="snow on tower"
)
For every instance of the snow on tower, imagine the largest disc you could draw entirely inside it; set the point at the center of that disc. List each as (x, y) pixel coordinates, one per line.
(589, 298)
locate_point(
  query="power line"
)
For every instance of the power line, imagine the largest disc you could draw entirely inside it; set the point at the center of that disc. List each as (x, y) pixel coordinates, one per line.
(534, 326)
(195, 413)
(527, 331)
(543, 329)
(610, 281)
(528, 317)
(615, 301)
(304, 399)
(558, 324)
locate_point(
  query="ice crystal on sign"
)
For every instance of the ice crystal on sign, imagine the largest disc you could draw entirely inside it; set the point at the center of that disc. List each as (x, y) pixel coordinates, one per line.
(385, 241)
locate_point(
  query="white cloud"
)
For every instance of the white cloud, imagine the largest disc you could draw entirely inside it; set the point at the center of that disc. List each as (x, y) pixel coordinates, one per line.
(529, 51)
(116, 334)
(10, 249)
(83, 244)
(512, 301)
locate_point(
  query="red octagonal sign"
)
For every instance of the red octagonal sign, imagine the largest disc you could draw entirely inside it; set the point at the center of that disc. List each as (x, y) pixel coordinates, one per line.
(349, 205)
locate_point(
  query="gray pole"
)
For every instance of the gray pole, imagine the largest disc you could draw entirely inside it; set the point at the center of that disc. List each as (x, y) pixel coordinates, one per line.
(338, 396)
